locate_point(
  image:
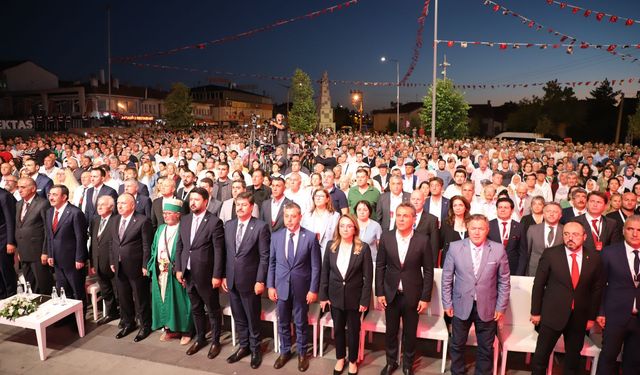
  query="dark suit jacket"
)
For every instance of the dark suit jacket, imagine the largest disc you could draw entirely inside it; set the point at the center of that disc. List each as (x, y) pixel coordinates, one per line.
(89, 209)
(609, 232)
(248, 264)
(567, 215)
(553, 291)
(185, 202)
(265, 215)
(43, 185)
(444, 207)
(416, 274)
(353, 290)
(615, 215)
(143, 205)
(620, 291)
(7, 219)
(142, 189)
(207, 251)
(214, 206)
(516, 248)
(30, 233)
(68, 244)
(134, 249)
(386, 180)
(428, 226)
(383, 209)
(100, 246)
(156, 213)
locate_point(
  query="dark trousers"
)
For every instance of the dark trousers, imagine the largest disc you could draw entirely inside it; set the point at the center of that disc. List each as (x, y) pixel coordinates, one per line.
(201, 296)
(613, 338)
(573, 334)
(134, 297)
(39, 276)
(245, 307)
(299, 310)
(72, 280)
(8, 278)
(401, 307)
(348, 320)
(485, 333)
(107, 283)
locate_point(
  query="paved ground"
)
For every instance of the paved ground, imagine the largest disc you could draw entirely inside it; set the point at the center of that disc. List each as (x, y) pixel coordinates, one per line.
(100, 353)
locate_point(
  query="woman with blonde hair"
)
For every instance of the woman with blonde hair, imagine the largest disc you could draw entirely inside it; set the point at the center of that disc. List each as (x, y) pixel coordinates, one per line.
(345, 285)
(147, 175)
(322, 218)
(64, 176)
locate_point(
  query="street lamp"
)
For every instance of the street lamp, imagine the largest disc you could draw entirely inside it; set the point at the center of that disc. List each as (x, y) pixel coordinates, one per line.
(384, 59)
(357, 101)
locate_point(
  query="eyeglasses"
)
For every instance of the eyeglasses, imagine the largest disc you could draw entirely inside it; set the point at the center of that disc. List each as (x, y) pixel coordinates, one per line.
(346, 226)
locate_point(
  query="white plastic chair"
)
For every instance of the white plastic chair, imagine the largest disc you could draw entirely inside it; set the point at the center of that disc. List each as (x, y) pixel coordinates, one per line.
(314, 321)
(225, 305)
(431, 325)
(269, 314)
(93, 289)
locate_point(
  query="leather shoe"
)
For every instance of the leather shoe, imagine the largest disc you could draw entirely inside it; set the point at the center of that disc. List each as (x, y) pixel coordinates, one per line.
(238, 355)
(389, 368)
(142, 334)
(195, 347)
(303, 363)
(282, 360)
(256, 359)
(214, 350)
(106, 319)
(407, 371)
(125, 331)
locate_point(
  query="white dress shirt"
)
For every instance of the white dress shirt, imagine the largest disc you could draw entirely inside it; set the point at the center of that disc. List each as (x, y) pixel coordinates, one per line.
(344, 256)
(435, 208)
(296, 237)
(275, 207)
(547, 229)
(570, 259)
(598, 224)
(630, 259)
(403, 248)
(394, 202)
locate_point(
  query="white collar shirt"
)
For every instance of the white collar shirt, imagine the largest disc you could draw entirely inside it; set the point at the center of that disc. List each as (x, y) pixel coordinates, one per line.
(570, 259)
(631, 259)
(403, 249)
(296, 238)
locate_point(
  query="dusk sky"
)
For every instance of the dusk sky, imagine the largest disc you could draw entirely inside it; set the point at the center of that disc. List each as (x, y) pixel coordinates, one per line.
(69, 39)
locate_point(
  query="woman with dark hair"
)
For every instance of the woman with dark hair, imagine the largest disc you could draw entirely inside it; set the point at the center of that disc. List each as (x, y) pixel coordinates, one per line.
(454, 227)
(370, 230)
(603, 180)
(345, 285)
(322, 219)
(535, 217)
(613, 186)
(585, 174)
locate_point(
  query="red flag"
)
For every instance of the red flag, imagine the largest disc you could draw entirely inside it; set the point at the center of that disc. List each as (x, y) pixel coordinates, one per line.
(629, 22)
(575, 10)
(496, 8)
(531, 23)
(587, 13)
(550, 2)
(613, 19)
(599, 16)
(563, 5)
(611, 47)
(584, 45)
(503, 46)
(450, 43)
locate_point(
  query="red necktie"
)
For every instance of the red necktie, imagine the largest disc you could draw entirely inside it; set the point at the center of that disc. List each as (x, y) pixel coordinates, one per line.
(505, 235)
(521, 206)
(596, 233)
(575, 274)
(55, 221)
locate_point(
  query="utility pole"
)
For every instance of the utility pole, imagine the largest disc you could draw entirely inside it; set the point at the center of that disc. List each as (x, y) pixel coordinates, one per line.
(444, 66)
(435, 73)
(109, 59)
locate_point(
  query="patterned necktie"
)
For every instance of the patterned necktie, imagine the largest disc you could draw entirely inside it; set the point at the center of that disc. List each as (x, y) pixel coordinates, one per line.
(636, 266)
(24, 211)
(103, 222)
(123, 225)
(55, 221)
(291, 249)
(505, 235)
(551, 236)
(94, 198)
(239, 236)
(575, 275)
(477, 254)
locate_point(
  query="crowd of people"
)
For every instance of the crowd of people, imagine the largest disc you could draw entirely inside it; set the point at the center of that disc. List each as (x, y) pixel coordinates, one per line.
(168, 220)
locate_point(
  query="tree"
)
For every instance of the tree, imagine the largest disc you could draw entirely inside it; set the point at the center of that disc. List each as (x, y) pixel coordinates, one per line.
(604, 93)
(524, 118)
(178, 107)
(562, 110)
(601, 113)
(634, 123)
(451, 111)
(303, 117)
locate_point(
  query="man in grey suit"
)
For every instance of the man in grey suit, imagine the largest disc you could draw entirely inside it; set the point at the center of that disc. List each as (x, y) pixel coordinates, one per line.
(389, 201)
(31, 213)
(214, 205)
(228, 209)
(544, 235)
(479, 295)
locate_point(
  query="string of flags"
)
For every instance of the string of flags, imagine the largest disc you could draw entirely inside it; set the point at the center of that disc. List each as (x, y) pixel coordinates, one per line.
(245, 34)
(416, 49)
(476, 86)
(571, 40)
(589, 12)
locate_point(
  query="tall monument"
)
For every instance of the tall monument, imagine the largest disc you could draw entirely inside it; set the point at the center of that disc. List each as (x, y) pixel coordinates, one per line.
(326, 111)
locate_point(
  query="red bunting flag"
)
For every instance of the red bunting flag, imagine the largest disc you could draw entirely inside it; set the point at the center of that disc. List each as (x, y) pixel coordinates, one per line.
(575, 10)
(503, 46)
(611, 47)
(563, 5)
(587, 13)
(629, 22)
(613, 19)
(496, 8)
(450, 43)
(599, 16)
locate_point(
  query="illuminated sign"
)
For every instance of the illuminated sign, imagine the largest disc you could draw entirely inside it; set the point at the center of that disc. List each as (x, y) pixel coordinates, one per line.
(16, 124)
(137, 118)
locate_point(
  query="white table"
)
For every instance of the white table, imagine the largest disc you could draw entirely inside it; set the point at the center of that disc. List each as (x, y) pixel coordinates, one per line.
(46, 315)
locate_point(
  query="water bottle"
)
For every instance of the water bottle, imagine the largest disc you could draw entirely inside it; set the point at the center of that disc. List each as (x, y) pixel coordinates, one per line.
(63, 297)
(20, 289)
(29, 291)
(54, 296)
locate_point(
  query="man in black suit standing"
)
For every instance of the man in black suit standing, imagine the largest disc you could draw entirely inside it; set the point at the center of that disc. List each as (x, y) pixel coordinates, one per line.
(43, 183)
(510, 233)
(621, 302)
(566, 295)
(247, 242)
(436, 204)
(389, 201)
(404, 279)
(199, 266)
(66, 234)
(167, 190)
(629, 202)
(31, 216)
(214, 205)
(132, 236)
(601, 231)
(272, 210)
(99, 189)
(188, 183)
(426, 223)
(8, 281)
(143, 203)
(383, 177)
(101, 231)
(260, 191)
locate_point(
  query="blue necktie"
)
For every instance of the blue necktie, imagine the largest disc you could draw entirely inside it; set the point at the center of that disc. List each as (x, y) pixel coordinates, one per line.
(291, 255)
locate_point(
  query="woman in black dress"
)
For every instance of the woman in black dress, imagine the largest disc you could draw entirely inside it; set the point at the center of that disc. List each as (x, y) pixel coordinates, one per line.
(454, 227)
(535, 217)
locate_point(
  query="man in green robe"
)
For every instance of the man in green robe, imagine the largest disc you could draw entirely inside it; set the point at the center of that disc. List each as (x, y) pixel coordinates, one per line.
(170, 306)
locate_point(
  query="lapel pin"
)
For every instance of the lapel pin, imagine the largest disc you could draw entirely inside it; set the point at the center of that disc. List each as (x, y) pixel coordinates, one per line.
(251, 228)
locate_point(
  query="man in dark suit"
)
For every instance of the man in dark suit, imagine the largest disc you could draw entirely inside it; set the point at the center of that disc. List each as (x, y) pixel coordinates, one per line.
(31, 216)
(43, 183)
(260, 191)
(436, 204)
(383, 177)
(188, 183)
(8, 281)
(578, 205)
(629, 201)
(386, 207)
(132, 236)
(66, 235)
(214, 205)
(509, 233)
(601, 231)
(247, 242)
(132, 173)
(426, 223)
(272, 210)
(101, 231)
(566, 295)
(543, 236)
(96, 191)
(293, 281)
(403, 283)
(143, 203)
(167, 190)
(621, 301)
(200, 255)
